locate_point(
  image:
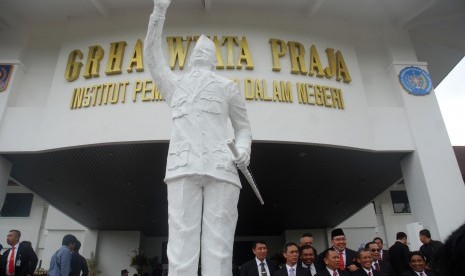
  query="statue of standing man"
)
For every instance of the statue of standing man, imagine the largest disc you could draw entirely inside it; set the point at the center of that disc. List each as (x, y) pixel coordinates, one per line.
(202, 179)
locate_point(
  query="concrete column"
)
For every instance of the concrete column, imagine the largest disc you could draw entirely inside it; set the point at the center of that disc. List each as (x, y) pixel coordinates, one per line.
(432, 177)
(5, 169)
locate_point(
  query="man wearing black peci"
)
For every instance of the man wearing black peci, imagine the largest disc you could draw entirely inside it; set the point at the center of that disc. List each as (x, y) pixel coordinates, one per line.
(346, 256)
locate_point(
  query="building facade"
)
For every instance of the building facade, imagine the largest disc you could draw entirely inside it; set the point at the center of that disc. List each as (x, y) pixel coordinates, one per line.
(335, 124)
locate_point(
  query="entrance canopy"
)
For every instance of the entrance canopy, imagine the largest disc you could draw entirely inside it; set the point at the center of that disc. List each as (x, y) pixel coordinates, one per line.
(120, 187)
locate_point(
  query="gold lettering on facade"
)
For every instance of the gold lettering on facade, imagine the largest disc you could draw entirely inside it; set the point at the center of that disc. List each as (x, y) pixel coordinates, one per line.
(315, 63)
(73, 67)
(115, 57)
(330, 70)
(245, 56)
(94, 57)
(342, 71)
(256, 90)
(148, 90)
(219, 57)
(248, 89)
(260, 90)
(286, 91)
(278, 50)
(99, 94)
(297, 53)
(136, 58)
(231, 41)
(320, 95)
(177, 51)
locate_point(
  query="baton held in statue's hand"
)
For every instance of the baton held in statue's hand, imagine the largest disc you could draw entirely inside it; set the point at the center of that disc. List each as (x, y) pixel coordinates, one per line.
(245, 171)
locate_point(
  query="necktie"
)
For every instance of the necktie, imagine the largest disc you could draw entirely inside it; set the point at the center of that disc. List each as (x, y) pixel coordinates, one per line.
(377, 268)
(292, 272)
(421, 273)
(369, 273)
(341, 261)
(335, 273)
(11, 264)
(263, 270)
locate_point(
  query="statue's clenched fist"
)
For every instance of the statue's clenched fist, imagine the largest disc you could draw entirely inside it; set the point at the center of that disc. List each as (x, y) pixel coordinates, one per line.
(163, 4)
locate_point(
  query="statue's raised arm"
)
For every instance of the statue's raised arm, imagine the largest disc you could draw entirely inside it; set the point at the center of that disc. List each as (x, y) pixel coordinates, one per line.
(153, 55)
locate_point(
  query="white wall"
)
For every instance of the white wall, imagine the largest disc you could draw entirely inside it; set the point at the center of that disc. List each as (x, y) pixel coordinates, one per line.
(360, 228)
(29, 226)
(393, 222)
(41, 106)
(114, 249)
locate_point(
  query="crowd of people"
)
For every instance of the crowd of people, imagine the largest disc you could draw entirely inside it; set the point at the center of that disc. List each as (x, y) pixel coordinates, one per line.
(433, 258)
(21, 260)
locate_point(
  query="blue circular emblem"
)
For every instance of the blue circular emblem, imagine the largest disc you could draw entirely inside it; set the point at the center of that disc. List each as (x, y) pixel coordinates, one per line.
(416, 81)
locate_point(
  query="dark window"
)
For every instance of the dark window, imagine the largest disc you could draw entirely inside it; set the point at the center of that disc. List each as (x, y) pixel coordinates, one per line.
(400, 202)
(17, 205)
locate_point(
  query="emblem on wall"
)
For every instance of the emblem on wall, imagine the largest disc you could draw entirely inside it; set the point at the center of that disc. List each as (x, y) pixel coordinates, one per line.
(415, 81)
(5, 72)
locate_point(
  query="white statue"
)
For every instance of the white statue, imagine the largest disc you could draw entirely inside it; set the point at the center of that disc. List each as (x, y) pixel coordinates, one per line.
(202, 180)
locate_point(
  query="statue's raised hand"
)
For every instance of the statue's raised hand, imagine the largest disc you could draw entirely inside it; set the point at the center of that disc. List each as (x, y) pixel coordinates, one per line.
(163, 4)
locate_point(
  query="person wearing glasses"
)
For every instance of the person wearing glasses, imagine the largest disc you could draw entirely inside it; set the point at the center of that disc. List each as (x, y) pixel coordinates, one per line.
(378, 264)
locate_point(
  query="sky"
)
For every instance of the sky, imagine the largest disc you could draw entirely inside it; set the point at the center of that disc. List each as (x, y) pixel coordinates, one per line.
(451, 97)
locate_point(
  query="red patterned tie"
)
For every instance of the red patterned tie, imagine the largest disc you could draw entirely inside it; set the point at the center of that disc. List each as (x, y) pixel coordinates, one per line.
(369, 273)
(335, 273)
(341, 261)
(11, 263)
(421, 274)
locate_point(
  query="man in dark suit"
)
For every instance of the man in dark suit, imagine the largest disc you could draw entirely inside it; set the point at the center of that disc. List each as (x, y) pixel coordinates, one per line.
(417, 264)
(331, 260)
(307, 258)
(384, 254)
(259, 266)
(20, 259)
(365, 259)
(291, 254)
(78, 262)
(398, 254)
(429, 249)
(307, 239)
(377, 264)
(347, 257)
